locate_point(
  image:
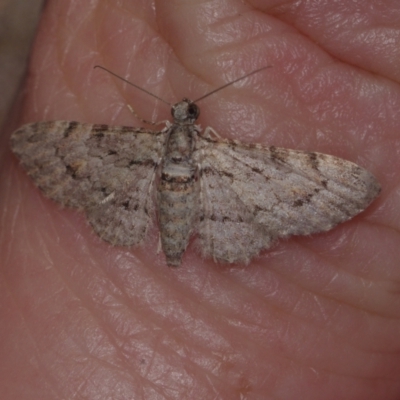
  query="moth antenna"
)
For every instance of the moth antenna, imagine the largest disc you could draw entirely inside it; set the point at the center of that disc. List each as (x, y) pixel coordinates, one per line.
(231, 83)
(132, 84)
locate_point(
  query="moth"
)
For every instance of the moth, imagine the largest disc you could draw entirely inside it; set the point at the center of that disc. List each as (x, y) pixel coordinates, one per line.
(234, 198)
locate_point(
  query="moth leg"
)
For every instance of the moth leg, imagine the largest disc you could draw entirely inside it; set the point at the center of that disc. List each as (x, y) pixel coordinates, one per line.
(109, 198)
(159, 244)
(209, 130)
(153, 123)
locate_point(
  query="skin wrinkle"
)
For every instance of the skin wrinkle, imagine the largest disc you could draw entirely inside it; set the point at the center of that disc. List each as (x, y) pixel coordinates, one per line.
(94, 312)
(351, 305)
(146, 312)
(306, 289)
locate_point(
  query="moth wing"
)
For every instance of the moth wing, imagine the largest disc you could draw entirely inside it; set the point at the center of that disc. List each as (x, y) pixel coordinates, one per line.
(106, 171)
(226, 229)
(251, 195)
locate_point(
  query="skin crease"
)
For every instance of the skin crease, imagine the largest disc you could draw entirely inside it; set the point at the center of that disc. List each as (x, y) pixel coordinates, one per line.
(314, 318)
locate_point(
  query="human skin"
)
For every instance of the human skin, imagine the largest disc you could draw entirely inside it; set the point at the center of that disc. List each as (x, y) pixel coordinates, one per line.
(314, 317)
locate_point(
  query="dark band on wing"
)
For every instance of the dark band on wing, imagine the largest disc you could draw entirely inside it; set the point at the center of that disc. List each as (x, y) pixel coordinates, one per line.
(72, 126)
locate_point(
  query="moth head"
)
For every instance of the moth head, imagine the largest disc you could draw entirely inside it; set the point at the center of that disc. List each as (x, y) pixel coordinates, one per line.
(185, 111)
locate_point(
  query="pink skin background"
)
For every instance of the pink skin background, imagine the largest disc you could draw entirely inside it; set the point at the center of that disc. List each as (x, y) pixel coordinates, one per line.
(313, 318)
